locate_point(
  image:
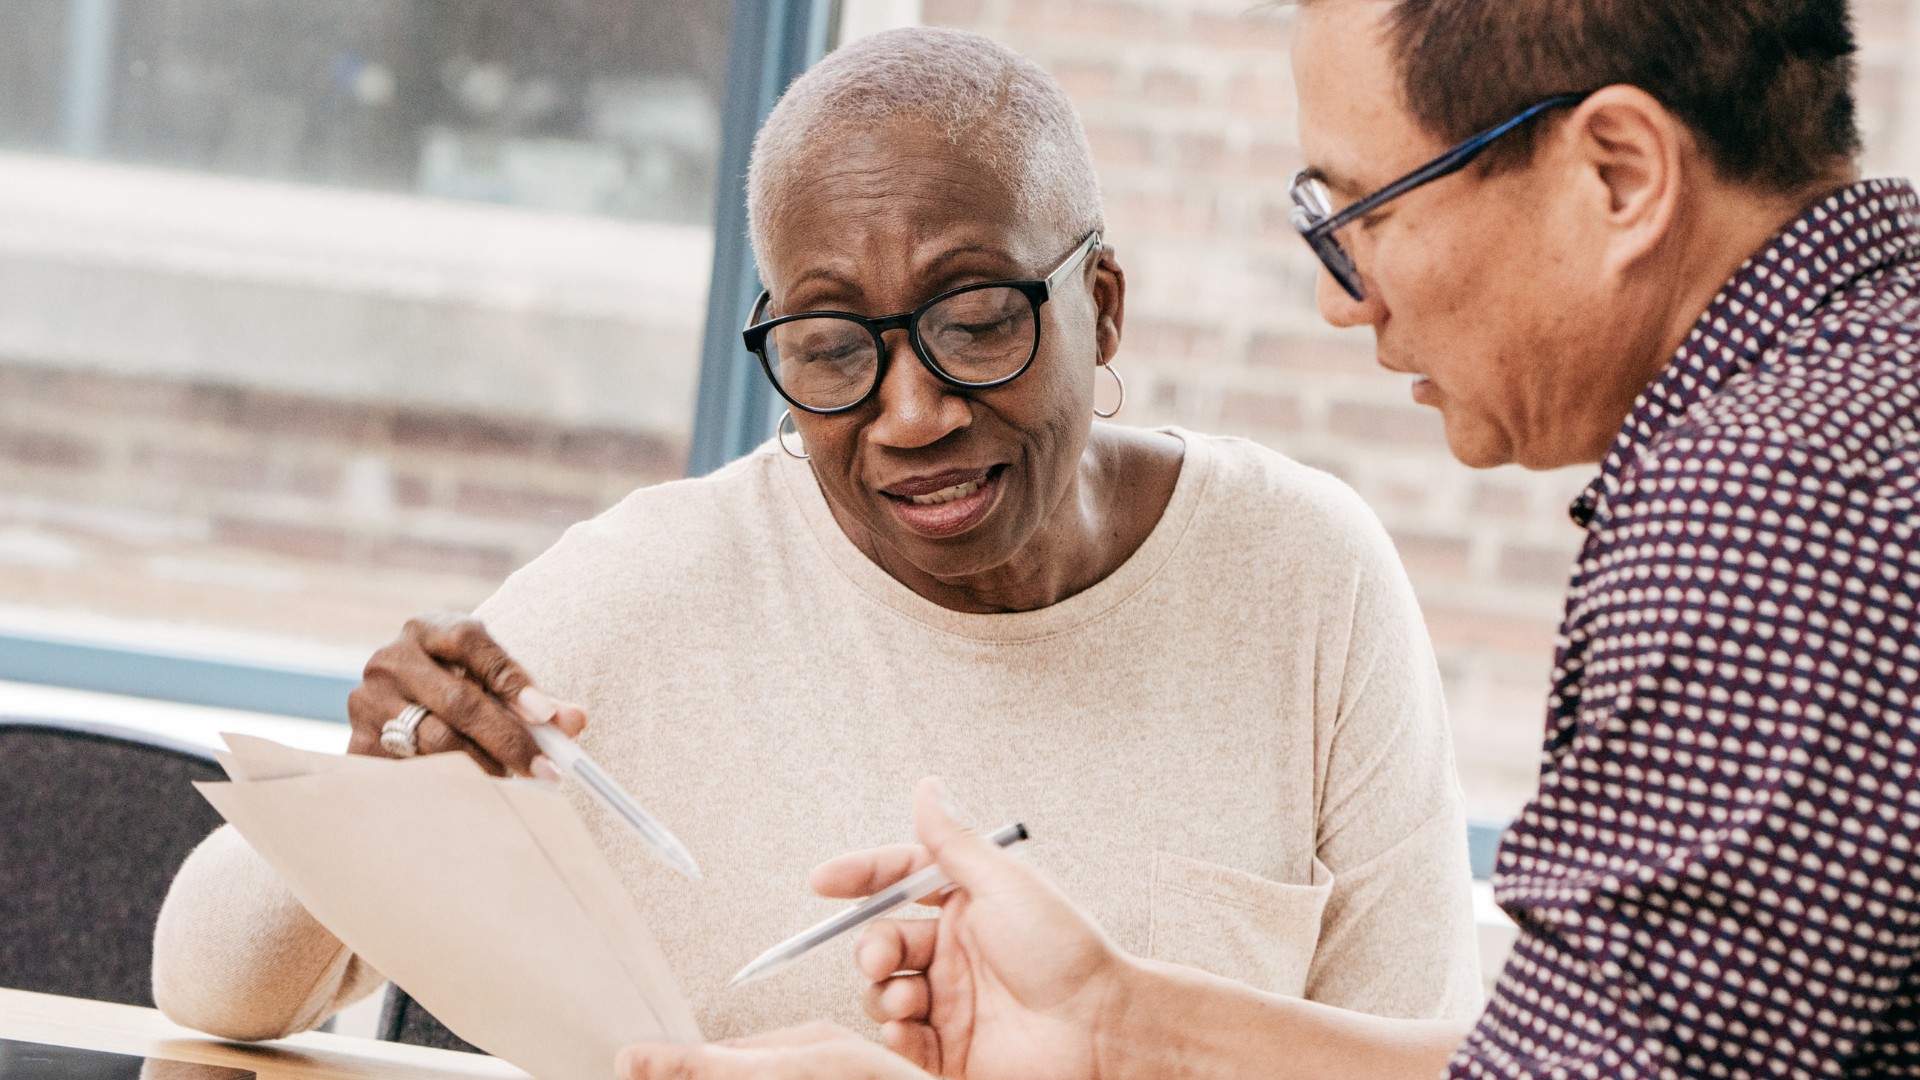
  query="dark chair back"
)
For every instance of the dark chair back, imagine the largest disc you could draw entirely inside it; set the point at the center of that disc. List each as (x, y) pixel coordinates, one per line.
(94, 822)
(403, 1020)
(97, 820)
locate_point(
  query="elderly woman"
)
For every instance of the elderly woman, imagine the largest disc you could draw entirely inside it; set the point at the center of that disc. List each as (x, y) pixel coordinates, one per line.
(1193, 667)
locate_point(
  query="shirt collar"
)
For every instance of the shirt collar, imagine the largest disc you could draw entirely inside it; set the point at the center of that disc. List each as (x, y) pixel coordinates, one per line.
(1852, 232)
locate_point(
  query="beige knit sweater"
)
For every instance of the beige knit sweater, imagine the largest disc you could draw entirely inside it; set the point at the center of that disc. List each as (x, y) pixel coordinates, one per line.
(1232, 751)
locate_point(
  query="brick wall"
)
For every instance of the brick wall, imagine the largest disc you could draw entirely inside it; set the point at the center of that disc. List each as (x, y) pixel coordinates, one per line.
(305, 517)
(1189, 107)
(285, 514)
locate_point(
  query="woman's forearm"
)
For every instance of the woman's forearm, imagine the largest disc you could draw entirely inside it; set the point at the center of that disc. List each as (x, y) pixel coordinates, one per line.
(235, 954)
(1174, 1023)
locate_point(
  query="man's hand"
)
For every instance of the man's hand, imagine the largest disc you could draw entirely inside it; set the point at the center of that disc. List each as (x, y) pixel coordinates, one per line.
(478, 698)
(814, 1052)
(1011, 982)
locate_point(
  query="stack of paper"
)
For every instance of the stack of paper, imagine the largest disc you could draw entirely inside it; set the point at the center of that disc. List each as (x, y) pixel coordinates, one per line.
(486, 899)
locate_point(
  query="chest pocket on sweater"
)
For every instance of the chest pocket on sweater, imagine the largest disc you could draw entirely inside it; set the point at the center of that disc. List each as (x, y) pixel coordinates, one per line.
(1239, 925)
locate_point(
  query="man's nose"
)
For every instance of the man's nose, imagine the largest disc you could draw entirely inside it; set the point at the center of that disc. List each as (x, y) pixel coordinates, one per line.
(1342, 310)
(916, 408)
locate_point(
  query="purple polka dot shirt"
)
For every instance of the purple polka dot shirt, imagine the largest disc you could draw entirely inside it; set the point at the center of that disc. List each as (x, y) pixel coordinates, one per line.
(1719, 876)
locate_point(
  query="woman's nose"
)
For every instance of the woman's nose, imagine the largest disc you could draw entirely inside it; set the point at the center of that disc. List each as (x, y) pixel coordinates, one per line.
(1339, 308)
(916, 408)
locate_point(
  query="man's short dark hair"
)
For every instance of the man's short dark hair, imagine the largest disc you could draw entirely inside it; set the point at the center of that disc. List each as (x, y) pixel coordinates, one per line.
(1766, 86)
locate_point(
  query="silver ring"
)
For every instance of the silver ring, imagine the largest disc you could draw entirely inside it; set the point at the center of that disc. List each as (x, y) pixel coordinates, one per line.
(400, 735)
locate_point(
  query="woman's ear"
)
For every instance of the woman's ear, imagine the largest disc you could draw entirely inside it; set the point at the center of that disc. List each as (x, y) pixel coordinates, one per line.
(1634, 154)
(1109, 301)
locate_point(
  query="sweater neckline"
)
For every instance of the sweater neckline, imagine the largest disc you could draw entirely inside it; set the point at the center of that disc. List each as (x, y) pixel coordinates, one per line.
(1094, 602)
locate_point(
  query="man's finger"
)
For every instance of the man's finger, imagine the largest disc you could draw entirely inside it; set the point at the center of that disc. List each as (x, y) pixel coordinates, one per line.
(914, 1040)
(903, 997)
(675, 1061)
(811, 1052)
(891, 945)
(812, 1034)
(972, 861)
(863, 873)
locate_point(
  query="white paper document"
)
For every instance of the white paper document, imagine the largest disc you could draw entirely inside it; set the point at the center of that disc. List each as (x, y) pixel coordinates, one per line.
(485, 898)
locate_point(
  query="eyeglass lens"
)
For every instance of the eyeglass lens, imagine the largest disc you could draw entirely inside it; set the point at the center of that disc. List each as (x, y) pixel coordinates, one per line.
(976, 337)
(1312, 205)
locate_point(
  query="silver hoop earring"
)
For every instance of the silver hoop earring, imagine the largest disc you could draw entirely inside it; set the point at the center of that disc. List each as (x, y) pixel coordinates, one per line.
(1119, 382)
(780, 436)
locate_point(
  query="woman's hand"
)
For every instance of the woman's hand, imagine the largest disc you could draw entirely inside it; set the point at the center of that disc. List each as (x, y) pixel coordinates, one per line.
(812, 1052)
(478, 699)
(1011, 981)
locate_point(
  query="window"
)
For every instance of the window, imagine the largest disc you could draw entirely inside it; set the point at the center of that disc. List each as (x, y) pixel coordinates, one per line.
(320, 314)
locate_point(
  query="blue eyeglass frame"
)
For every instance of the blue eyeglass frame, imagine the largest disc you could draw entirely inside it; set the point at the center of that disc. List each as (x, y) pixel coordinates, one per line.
(1312, 222)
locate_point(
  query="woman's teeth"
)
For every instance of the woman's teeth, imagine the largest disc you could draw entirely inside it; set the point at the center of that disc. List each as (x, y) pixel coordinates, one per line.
(947, 495)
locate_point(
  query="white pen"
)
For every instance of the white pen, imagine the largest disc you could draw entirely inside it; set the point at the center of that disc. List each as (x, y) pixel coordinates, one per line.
(927, 881)
(573, 761)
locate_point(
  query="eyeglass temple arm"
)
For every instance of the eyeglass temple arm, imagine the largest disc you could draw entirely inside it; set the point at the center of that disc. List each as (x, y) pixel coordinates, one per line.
(1092, 241)
(1445, 165)
(753, 313)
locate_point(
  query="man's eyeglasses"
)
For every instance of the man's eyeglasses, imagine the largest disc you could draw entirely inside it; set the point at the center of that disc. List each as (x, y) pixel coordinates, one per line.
(974, 337)
(1313, 215)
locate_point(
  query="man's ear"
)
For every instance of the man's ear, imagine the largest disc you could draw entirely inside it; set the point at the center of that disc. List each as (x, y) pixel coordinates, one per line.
(1635, 155)
(1109, 302)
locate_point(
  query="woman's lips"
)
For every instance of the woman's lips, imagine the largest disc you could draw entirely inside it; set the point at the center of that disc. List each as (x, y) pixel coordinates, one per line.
(945, 506)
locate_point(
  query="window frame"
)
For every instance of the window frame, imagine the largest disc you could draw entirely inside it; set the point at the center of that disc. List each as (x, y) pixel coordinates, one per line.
(772, 42)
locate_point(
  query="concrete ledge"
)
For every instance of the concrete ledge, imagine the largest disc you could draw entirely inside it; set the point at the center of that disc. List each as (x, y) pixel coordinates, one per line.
(354, 295)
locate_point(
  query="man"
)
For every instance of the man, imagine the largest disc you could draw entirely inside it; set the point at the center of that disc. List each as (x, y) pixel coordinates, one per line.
(1655, 258)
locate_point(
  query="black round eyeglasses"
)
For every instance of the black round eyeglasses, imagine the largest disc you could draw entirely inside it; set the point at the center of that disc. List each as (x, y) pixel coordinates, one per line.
(975, 337)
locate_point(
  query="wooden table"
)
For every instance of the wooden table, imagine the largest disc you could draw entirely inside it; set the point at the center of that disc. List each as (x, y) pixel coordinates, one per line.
(127, 1029)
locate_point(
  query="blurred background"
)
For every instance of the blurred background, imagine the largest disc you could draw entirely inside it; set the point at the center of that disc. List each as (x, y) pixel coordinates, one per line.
(317, 315)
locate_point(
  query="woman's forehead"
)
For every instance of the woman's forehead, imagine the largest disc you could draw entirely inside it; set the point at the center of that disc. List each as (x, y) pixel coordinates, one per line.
(897, 166)
(885, 210)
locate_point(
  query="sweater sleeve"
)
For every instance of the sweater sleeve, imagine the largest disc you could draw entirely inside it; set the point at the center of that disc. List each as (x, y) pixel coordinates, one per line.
(1397, 936)
(235, 955)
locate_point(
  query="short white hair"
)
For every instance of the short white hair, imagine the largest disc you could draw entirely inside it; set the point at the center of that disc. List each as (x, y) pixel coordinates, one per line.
(1003, 109)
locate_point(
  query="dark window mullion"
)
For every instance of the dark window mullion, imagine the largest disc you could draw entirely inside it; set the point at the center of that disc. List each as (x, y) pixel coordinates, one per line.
(773, 42)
